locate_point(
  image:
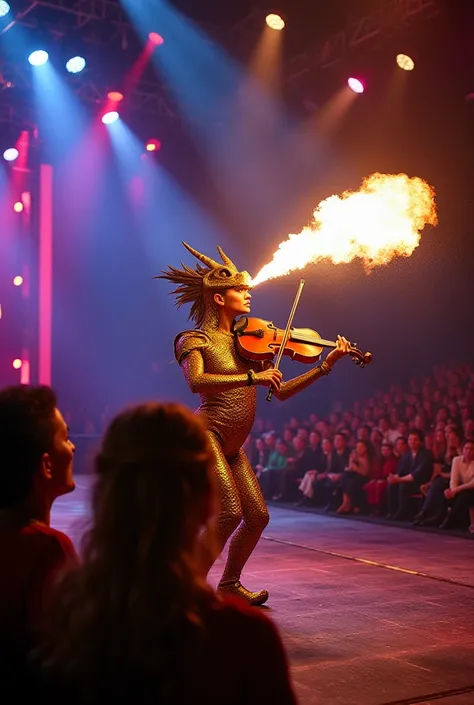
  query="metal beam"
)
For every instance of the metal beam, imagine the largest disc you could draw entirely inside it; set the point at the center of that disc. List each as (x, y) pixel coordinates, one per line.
(392, 14)
(100, 10)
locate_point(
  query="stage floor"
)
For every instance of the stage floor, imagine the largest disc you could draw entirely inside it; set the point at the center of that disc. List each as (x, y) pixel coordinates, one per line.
(369, 614)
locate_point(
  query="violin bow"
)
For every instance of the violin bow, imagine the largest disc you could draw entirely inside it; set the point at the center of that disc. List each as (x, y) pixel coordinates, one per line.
(286, 334)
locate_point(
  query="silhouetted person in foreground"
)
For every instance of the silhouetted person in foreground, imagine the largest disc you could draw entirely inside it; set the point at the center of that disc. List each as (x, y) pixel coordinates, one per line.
(137, 622)
(35, 468)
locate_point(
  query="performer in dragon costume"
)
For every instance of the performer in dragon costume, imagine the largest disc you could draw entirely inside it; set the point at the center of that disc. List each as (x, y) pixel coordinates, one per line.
(226, 382)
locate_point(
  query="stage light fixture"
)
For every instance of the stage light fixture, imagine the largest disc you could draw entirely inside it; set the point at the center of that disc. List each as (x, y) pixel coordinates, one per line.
(275, 21)
(17, 364)
(155, 38)
(405, 62)
(38, 57)
(4, 8)
(115, 96)
(110, 117)
(18, 207)
(355, 85)
(18, 280)
(10, 154)
(76, 64)
(153, 145)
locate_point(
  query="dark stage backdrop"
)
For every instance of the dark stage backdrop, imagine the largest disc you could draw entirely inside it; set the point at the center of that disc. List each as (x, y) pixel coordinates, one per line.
(114, 325)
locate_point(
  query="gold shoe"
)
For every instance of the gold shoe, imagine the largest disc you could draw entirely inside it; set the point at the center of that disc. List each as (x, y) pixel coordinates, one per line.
(235, 587)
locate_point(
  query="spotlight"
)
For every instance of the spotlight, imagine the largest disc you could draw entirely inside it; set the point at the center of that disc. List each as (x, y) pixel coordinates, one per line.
(405, 62)
(38, 57)
(17, 364)
(18, 280)
(76, 64)
(18, 207)
(155, 38)
(10, 154)
(275, 21)
(4, 8)
(153, 145)
(110, 117)
(115, 96)
(355, 85)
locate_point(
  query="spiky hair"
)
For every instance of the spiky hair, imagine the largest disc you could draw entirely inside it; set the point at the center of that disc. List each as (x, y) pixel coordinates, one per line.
(192, 284)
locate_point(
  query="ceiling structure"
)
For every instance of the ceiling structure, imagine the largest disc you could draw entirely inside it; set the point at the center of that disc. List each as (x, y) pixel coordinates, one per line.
(104, 26)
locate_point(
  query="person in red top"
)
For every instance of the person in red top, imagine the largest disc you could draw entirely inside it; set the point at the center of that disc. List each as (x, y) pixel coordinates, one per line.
(35, 468)
(376, 488)
(137, 621)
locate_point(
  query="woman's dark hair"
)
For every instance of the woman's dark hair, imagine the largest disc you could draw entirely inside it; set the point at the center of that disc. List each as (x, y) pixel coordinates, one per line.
(369, 449)
(137, 599)
(27, 428)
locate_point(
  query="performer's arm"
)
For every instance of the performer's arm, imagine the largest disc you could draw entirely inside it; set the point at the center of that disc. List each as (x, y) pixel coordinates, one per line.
(297, 384)
(293, 386)
(200, 381)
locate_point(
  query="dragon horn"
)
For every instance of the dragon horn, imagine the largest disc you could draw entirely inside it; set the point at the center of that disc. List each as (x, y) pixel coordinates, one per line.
(225, 259)
(202, 258)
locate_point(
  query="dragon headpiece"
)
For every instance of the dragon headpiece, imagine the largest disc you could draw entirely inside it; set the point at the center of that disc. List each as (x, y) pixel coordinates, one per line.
(198, 286)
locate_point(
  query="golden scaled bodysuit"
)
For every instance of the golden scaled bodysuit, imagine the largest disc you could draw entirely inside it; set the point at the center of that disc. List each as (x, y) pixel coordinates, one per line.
(214, 369)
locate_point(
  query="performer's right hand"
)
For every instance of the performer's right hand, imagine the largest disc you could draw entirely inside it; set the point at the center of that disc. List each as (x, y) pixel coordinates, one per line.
(270, 377)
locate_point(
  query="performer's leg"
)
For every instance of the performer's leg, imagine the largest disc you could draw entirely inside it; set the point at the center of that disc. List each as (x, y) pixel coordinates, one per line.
(230, 509)
(255, 518)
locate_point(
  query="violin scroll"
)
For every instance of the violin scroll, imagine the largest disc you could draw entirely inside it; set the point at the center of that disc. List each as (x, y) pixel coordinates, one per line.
(361, 359)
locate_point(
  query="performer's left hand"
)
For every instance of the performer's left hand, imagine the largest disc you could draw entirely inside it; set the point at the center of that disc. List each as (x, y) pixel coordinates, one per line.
(342, 348)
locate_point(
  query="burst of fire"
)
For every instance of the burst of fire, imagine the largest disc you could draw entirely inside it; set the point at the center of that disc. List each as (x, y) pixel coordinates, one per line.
(382, 220)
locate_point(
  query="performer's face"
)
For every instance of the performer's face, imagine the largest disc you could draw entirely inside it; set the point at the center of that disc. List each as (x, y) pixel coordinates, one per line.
(236, 300)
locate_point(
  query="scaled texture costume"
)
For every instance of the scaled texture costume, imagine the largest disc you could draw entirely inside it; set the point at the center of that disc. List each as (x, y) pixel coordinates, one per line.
(214, 369)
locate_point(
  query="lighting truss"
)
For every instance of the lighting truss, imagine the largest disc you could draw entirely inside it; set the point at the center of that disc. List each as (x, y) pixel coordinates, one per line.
(105, 22)
(390, 15)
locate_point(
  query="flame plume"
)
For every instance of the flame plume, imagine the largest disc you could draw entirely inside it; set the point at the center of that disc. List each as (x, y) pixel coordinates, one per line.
(380, 221)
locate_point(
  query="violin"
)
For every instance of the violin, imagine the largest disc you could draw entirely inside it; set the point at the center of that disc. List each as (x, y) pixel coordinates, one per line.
(257, 339)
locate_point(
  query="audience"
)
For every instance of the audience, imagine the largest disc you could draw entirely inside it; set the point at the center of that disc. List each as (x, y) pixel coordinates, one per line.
(137, 621)
(460, 493)
(358, 472)
(439, 408)
(414, 470)
(439, 405)
(376, 487)
(36, 459)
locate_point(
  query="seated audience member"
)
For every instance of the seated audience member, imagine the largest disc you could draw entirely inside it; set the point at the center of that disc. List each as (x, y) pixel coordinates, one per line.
(299, 462)
(434, 508)
(313, 481)
(440, 446)
(316, 461)
(269, 476)
(35, 468)
(328, 485)
(376, 487)
(460, 492)
(414, 469)
(260, 454)
(357, 473)
(137, 622)
(401, 447)
(314, 449)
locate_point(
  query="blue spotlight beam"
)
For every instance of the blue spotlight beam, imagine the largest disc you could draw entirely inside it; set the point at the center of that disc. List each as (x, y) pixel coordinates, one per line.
(242, 131)
(60, 117)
